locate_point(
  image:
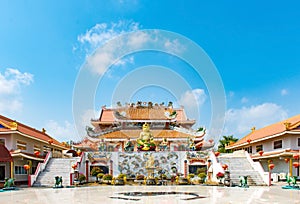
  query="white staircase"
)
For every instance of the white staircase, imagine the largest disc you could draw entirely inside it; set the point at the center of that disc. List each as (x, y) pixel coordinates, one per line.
(240, 166)
(56, 167)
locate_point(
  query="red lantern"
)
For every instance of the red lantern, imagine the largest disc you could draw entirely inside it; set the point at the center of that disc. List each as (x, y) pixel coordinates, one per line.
(26, 167)
(286, 160)
(271, 166)
(260, 152)
(74, 166)
(50, 141)
(36, 153)
(296, 164)
(296, 156)
(249, 140)
(224, 166)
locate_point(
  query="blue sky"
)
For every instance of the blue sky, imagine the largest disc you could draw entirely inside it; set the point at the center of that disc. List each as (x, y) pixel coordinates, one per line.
(254, 45)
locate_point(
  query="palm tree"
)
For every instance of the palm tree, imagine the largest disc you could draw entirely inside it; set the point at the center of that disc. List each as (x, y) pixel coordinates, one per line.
(224, 142)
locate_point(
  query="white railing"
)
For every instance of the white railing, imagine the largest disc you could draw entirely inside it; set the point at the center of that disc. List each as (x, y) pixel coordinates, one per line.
(257, 167)
(216, 166)
(190, 132)
(40, 168)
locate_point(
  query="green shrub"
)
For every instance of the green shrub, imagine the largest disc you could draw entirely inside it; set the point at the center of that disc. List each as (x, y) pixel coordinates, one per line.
(202, 175)
(121, 176)
(81, 177)
(107, 177)
(100, 175)
(191, 175)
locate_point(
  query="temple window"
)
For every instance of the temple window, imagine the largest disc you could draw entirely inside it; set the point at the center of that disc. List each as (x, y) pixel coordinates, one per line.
(36, 148)
(299, 142)
(21, 145)
(259, 148)
(248, 149)
(20, 170)
(278, 144)
(2, 142)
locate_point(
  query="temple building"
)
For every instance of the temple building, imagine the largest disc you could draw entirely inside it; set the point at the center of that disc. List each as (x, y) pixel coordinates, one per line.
(276, 146)
(145, 128)
(22, 148)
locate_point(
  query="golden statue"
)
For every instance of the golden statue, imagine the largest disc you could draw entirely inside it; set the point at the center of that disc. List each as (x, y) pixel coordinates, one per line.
(145, 142)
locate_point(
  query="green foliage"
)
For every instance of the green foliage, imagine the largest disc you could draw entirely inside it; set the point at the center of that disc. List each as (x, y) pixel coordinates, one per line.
(191, 175)
(121, 176)
(100, 175)
(201, 170)
(81, 177)
(202, 175)
(227, 140)
(107, 177)
(95, 171)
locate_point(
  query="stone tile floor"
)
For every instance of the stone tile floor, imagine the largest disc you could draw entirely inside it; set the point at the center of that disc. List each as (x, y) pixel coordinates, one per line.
(146, 194)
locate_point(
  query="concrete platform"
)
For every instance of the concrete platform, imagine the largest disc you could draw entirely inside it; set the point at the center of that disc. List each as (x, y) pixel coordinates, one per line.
(146, 194)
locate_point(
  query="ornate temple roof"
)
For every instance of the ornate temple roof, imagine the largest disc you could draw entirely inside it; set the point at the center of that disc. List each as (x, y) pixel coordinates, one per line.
(290, 125)
(11, 126)
(142, 114)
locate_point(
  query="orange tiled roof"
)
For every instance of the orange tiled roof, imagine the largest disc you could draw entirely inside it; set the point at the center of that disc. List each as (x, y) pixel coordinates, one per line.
(144, 113)
(27, 130)
(290, 124)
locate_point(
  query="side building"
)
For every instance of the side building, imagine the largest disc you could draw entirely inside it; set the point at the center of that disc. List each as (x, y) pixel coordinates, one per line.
(23, 147)
(276, 147)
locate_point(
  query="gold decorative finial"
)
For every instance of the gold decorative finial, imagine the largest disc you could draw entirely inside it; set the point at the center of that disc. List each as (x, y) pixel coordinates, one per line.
(44, 130)
(253, 129)
(287, 125)
(13, 125)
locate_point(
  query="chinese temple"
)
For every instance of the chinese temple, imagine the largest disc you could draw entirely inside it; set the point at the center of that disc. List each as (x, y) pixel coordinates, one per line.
(124, 136)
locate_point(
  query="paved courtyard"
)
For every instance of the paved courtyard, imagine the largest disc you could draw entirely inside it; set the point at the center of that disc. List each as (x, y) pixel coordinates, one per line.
(147, 194)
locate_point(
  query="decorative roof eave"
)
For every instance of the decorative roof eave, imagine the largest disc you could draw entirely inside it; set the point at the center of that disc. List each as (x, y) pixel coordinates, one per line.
(261, 139)
(20, 154)
(281, 153)
(34, 138)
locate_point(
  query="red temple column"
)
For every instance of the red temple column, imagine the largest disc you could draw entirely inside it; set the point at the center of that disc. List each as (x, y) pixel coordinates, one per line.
(87, 170)
(185, 168)
(111, 168)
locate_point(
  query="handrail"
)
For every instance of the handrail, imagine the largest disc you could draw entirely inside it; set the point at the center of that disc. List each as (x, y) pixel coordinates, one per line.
(39, 169)
(257, 166)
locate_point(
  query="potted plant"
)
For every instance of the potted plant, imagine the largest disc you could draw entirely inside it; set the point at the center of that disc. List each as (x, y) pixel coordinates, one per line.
(81, 178)
(202, 177)
(107, 178)
(220, 176)
(100, 176)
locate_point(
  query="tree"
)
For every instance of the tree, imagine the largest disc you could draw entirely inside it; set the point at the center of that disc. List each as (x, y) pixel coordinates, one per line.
(224, 142)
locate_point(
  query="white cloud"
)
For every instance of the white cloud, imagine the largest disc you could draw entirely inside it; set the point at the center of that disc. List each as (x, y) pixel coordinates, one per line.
(12, 79)
(102, 33)
(193, 100)
(62, 132)
(284, 92)
(174, 46)
(240, 121)
(11, 82)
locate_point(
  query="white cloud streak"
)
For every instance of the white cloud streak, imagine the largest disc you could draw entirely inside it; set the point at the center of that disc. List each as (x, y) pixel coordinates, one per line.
(11, 82)
(240, 121)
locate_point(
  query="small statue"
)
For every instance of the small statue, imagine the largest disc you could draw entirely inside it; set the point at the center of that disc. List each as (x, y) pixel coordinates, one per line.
(102, 146)
(150, 162)
(58, 182)
(129, 147)
(163, 145)
(191, 145)
(146, 142)
(9, 183)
